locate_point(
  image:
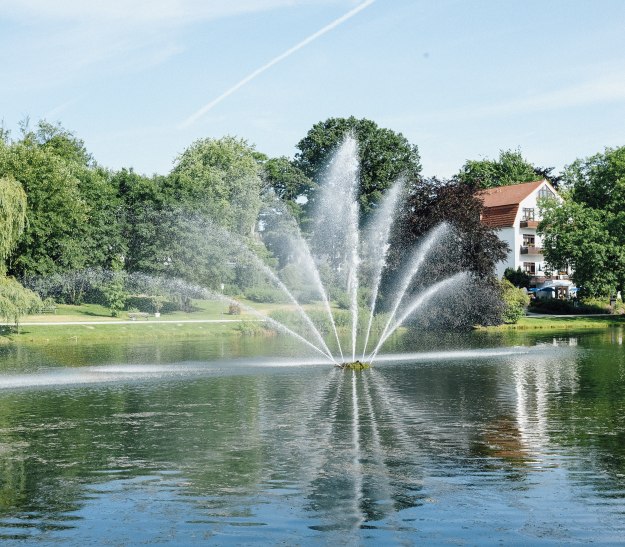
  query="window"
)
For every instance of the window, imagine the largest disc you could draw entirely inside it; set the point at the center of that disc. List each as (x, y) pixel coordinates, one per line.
(544, 192)
(528, 213)
(529, 267)
(529, 240)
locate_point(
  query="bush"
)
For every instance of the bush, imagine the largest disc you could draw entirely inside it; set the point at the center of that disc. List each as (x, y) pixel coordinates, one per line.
(266, 295)
(145, 304)
(569, 307)
(515, 301)
(234, 309)
(517, 277)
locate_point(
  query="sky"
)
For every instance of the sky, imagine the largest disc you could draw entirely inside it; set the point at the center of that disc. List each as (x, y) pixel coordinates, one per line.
(140, 80)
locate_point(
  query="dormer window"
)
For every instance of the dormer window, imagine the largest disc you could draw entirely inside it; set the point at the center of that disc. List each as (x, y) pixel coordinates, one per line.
(545, 192)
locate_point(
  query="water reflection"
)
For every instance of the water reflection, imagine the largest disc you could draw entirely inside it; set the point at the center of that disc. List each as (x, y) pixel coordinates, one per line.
(406, 451)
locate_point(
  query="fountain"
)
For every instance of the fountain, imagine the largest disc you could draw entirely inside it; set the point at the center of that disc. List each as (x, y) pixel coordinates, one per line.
(340, 248)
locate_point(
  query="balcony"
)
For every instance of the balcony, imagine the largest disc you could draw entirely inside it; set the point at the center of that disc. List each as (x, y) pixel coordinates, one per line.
(531, 250)
(529, 223)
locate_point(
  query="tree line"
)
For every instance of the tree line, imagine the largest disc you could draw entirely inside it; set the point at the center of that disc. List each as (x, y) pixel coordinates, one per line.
(62, 212)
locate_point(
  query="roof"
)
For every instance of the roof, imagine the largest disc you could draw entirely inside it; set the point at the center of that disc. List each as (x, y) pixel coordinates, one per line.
(499, 217)
(502, 203)
(508, 195)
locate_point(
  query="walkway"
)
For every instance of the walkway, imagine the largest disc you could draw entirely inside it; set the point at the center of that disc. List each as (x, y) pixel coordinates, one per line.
(136, 322)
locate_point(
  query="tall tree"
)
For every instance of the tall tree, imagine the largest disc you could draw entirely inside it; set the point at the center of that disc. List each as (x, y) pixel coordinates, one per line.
(219, 179)
(510, 168)
(587, 230)
(384, 155)
(289, 183)
(72, 211)
(12, 216)
(468, 246)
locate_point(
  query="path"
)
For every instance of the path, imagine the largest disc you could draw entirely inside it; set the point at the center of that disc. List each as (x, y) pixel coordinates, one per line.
(137, 322)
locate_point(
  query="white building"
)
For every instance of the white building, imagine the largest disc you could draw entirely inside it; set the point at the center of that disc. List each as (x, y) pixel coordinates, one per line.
(513, 210)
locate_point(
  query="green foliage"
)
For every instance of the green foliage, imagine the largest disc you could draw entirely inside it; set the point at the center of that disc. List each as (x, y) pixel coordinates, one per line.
(557, 306)
(16, 301)
(517, 277)
(289, 183)
(12, 215)
(71, 206)
(384, 155)
(515, 301)
(113, 290)
(146, 304)
(587, 231)
(509, 168)
(219, 179)
(266, 295)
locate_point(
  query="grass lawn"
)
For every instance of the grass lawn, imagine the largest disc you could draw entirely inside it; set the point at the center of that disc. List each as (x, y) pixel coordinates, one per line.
(562, 323)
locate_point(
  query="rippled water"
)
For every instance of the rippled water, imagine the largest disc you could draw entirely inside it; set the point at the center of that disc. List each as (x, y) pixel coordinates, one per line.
(494, 439)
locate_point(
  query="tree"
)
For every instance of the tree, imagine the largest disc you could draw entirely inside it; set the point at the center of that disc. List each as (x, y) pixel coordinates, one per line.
(218, 179)
(517, 277)
(12, 216)
(16, 301)
(427, 203)
(515, 300)
(113, 289)
(384, 155)
(509, 168)
(71, 206)
(466, 246)
(289, 183)
(587, 230)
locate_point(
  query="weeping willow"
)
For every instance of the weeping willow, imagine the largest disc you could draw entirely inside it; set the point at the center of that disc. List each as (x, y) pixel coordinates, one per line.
(12, 216)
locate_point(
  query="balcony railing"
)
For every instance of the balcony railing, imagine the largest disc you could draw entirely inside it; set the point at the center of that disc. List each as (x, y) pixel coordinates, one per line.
(531, 250)
(529, 223)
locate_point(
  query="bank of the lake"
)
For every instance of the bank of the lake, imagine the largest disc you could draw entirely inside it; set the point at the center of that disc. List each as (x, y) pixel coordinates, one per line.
(560, 322)
(93, 323)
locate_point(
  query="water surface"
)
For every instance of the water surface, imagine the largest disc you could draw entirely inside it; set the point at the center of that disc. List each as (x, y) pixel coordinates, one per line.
(476, 439)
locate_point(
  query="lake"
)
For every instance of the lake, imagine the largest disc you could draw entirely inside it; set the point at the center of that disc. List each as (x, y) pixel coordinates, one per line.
(514, 439)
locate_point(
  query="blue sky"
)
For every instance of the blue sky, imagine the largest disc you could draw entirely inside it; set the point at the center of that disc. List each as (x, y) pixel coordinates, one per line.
(460, 79)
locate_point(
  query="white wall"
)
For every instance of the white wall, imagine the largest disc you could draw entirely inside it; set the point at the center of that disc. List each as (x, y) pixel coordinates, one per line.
(507, 235)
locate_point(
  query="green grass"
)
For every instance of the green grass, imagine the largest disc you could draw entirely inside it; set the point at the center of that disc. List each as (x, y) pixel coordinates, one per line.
(562, 323)
(146, 330)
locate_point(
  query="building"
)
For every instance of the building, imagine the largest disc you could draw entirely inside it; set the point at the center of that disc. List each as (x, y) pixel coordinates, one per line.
(514, 212)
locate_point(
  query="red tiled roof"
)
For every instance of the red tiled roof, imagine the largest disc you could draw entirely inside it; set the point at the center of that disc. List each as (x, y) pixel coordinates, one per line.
(499, 217)
(508, 195)
(502, 203)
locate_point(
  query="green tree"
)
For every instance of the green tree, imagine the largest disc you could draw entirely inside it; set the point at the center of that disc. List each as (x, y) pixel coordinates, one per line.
(16, 301)
(12, 216)
(515, 301)
(384, 155)
(113, 289)
(218, 179)
(509, 168)
(289, 183)
(587, 230)
(72, 213)
(517, 277)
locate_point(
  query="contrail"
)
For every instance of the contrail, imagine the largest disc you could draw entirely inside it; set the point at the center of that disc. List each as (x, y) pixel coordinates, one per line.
(197, 115)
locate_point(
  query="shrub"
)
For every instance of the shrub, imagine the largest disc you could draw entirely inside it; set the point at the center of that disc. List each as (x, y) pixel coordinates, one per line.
(234, 309)
(266, 295)
(515, 301)
(568, 307)
(517, 277)
(145, 304)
